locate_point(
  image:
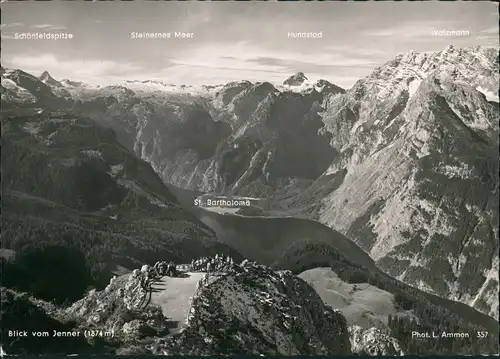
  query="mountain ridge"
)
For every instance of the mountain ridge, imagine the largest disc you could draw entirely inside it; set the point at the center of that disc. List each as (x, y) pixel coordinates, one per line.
(421, 126)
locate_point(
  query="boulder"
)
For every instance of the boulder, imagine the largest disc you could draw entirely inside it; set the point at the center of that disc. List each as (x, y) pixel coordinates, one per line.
(373, 342)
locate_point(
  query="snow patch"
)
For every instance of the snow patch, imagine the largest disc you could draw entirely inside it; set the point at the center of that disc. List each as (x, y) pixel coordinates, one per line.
(490, 96)
(413, 86)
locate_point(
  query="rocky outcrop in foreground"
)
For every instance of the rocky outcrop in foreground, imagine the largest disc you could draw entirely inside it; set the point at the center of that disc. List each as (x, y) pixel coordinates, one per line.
(123, 311)
(373, 342)
(112, 321)
(24, 320)
(255, 310)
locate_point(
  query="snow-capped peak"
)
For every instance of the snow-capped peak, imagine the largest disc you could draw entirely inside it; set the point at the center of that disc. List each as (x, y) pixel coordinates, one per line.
(45, 76)
(321, 86)
(49, 80)
(296, 80)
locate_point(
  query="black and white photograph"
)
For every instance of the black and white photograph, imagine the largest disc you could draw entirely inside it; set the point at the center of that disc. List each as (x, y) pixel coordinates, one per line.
(257, 178)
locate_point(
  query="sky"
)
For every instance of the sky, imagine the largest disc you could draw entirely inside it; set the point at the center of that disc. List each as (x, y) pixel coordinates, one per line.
(233, 40)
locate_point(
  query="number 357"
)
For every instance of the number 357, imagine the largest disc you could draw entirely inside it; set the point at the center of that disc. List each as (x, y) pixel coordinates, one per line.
(481, 334)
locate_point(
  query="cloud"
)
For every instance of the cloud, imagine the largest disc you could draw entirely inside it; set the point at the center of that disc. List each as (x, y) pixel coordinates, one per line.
(491, 30)
(14, 24)
(230, 57)
(4, 36)
(252, 58)
(197, 18)
(320, 61)
(355, 50)
(226, 63)
(487, 37)
(48, 27)
(193, 75)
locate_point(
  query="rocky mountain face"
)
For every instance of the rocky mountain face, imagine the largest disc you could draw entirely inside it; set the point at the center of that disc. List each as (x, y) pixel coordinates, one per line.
(20, 89)
(325, 87)
(415, 181)
(418, 143)
(405, 162)
(57, 87)
(249, 139)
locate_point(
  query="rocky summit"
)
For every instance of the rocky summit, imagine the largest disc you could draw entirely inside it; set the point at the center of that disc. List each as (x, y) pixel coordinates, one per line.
(295, 80)
(254, 310)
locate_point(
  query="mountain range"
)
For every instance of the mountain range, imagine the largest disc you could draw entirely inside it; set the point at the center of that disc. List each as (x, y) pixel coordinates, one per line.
(394, 180)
